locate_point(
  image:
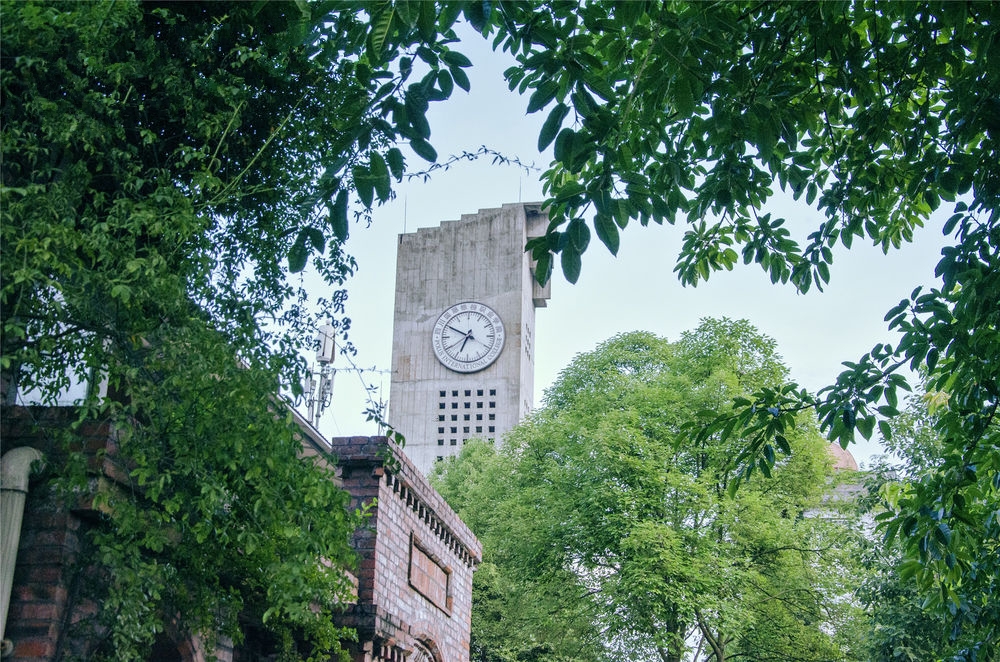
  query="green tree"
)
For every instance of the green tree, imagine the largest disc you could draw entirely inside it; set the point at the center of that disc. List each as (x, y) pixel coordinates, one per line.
(903, 628)
(874, 114)
(167, 170)
(599, 514)
(167, 167)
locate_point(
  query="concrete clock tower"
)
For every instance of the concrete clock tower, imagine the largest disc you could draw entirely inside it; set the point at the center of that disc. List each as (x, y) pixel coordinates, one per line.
(462, 340)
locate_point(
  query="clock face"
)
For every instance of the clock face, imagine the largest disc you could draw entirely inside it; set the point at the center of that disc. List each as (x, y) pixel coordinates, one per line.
(468, 337)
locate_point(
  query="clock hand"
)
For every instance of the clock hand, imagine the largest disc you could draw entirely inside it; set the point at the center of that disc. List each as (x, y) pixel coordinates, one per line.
(467, 339)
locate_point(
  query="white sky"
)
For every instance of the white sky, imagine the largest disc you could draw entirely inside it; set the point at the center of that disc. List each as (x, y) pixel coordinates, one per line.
(635, 291)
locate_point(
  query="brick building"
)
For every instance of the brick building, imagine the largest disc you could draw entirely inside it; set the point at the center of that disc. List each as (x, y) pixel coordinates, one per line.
(414, 581)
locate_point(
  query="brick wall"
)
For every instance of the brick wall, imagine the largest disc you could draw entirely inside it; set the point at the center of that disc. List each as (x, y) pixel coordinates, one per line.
(416, 558)
(44, 608)
(51, 616)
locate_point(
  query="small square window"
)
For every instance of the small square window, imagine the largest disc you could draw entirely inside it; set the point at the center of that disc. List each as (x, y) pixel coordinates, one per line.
(454, 430)
(454, 442)
(493, 417)
(441, 405)
(479, 428)
(493, 391)
(492, 429)
(468, 393)
(479, 405)
(466, 417)
(440, 442)
(468, 405)
(465, 429)
(442, 393)
(479, 393)
(454, 394)
(440, 430)
(493, 405)
(479, 417)
(454, 417)
(440, 458)
(441, 417)
(454, 405)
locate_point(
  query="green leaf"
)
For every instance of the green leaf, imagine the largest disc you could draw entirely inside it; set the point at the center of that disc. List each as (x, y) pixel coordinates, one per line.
(423, 149)
(409, 11)
(298, 255)
(579, 234)
(571, 263)
(943, 533)
(445, 83)
(382, 25)
(552, 125)
(866, 425)
(565, 149)
(380, 176)
(338, 217)
(607, 232)
(316, 238)
(885, 429)
(461, 79)
(684, 100)
(545, 93)
(456, 59)
(477, 12)
(397, 165)
(543, 268)
(426, 22)
(364, 185)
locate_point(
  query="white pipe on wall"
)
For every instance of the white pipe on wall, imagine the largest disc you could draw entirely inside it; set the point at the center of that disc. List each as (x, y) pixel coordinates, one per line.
(15, 470)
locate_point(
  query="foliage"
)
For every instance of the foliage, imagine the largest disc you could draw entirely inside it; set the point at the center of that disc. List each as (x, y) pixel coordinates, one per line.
(600, 515)
(905, 626)
(873, 114)
(171, 166)
(167, 169)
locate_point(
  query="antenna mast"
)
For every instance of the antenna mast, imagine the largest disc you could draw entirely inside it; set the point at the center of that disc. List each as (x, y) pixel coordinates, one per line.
(320, 392)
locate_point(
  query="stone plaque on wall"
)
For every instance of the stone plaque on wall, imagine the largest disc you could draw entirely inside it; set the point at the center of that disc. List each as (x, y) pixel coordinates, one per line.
(428, 576)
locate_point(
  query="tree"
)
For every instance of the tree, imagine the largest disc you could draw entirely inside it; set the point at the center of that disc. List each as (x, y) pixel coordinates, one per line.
(167, 170)
(170, 166)
(600, 515)
(872, 113)
(902, 625)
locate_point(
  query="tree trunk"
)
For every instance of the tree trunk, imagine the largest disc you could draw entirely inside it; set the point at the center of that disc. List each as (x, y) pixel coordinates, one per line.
(717, 644)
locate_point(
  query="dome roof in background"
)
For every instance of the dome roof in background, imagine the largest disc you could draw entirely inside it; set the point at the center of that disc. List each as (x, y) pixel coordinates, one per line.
(842, 458)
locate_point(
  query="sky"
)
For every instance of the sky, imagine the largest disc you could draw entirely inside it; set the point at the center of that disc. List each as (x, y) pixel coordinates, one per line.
(637, 290)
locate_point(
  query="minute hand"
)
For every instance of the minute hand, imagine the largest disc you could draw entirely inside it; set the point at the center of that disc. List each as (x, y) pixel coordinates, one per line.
(467, 339)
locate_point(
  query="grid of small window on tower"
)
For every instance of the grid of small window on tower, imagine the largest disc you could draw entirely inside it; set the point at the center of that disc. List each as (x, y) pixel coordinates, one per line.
(468, 410)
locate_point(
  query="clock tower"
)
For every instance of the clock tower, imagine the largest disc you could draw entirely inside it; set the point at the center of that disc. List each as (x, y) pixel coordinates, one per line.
(462, 340)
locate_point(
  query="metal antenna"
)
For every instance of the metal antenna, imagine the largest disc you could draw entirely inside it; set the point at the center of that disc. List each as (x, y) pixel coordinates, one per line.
(320, 392)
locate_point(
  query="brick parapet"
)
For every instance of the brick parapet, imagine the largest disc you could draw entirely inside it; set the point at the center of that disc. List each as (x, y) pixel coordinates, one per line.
(417, 557)
(367, 461)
